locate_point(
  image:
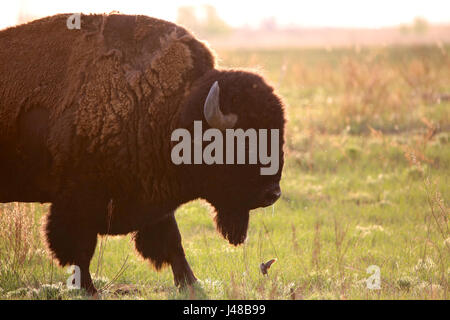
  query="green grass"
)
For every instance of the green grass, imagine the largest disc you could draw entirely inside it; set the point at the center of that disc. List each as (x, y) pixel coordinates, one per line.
(365, 183)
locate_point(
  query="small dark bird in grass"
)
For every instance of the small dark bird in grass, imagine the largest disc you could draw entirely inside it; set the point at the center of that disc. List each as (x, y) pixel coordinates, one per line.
(264, 267)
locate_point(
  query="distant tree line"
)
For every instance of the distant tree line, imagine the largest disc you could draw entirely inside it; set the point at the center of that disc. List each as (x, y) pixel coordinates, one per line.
(419, 26)
(203, 20)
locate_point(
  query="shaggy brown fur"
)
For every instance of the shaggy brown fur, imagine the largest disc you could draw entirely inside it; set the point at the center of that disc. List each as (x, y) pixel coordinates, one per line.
(85, 121)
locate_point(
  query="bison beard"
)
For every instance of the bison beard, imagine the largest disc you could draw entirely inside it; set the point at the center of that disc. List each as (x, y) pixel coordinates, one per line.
(232, 224)
(86, 118)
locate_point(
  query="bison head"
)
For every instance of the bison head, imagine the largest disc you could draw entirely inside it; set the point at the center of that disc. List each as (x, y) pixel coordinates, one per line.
(236, 100)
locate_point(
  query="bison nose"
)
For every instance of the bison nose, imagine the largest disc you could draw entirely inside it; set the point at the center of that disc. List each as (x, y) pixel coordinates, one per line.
(272, 194)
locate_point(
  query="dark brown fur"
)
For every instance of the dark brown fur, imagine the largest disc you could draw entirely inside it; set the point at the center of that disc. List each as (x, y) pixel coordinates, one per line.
(85, 123)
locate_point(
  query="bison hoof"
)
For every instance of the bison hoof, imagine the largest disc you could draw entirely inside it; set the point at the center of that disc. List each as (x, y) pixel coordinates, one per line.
(185, 280)
(96, 296)
(91, 291)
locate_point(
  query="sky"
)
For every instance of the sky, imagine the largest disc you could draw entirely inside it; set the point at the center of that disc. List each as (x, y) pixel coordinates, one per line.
(309, 13)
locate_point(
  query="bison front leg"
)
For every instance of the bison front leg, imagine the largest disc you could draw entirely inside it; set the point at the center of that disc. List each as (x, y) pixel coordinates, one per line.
(72, 239)
(161, 244)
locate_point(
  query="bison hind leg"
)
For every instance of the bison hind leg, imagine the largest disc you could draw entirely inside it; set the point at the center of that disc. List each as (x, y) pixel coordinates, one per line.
(161, 244)
(72, 240)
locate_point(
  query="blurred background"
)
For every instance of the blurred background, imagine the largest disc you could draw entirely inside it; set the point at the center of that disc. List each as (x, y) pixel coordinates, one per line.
(265, 23)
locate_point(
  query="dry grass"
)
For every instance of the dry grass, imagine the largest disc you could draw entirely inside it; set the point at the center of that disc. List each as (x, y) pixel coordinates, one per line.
(19, 235)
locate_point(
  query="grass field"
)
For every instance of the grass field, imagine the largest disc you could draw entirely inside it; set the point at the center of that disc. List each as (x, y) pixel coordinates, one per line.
(366, 182)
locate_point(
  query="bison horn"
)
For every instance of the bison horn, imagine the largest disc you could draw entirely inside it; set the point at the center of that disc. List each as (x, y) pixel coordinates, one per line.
(213, 115)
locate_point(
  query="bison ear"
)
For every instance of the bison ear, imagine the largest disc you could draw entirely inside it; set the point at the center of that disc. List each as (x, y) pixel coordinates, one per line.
(211, 110)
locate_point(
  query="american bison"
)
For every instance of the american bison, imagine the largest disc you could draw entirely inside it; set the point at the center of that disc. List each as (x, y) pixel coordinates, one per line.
(86, 117)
